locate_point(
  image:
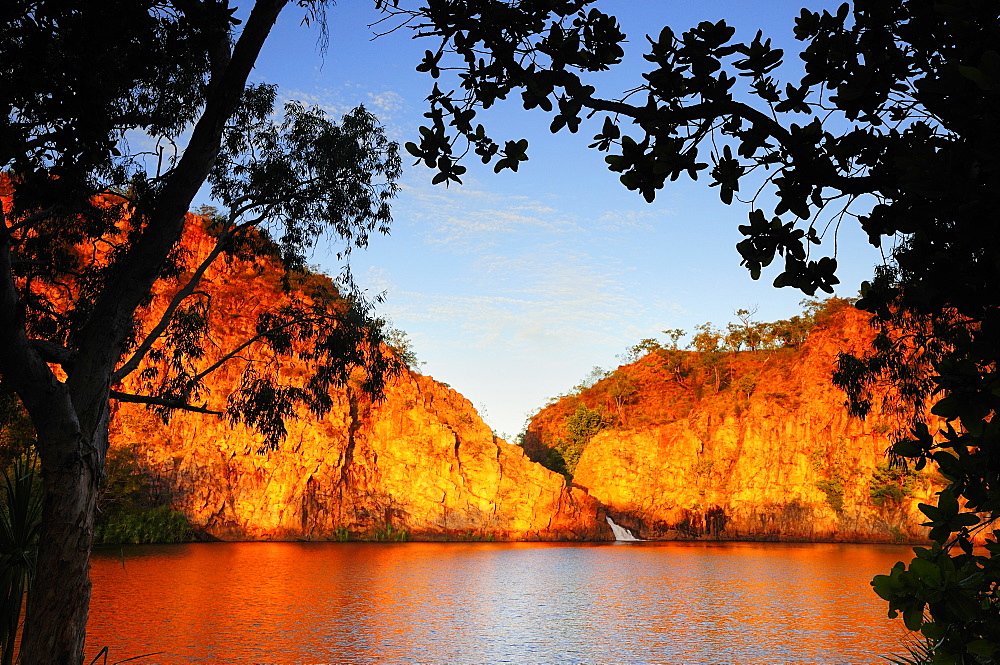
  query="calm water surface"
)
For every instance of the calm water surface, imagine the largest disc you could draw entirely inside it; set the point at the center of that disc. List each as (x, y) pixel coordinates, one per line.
(493, 603)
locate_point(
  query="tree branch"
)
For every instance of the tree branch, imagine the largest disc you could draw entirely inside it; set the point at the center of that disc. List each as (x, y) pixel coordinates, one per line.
(100, 341)
(21, 365)
(236, 351)
(855, 185)
(161, 401)
(133, 362)
(30, 219)
(51, 352)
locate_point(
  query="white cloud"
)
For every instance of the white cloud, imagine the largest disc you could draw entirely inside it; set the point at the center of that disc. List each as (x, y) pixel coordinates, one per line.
(471, 219)
(387, 101)
(495, 288)
(325, 99)
(633, 220)
(538, 306)
(386, 105)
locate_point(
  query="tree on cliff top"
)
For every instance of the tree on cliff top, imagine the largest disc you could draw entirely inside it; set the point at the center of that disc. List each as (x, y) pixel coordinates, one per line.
(90, 226)
(895, 126)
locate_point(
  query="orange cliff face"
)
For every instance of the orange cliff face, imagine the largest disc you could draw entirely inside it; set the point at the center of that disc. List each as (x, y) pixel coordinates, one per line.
(420, 463)
(772, 456)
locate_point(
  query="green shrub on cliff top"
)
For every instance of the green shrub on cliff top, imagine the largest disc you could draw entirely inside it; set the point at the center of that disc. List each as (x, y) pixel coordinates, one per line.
(564, 453)
(582, 425)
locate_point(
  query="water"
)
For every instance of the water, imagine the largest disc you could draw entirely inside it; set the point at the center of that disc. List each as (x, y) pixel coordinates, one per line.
(311, 603)
(621, 533)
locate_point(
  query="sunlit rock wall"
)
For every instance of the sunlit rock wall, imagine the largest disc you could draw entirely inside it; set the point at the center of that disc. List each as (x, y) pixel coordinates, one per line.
(421, 464)
(784, 462)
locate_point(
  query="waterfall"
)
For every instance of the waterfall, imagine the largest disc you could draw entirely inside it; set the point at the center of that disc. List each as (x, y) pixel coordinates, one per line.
(621, 533)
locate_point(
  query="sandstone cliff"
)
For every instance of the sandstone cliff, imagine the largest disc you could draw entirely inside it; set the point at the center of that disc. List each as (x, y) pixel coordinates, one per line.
(420, 464)
(755, 446)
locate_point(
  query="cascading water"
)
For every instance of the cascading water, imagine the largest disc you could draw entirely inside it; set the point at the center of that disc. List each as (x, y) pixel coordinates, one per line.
(621, 533)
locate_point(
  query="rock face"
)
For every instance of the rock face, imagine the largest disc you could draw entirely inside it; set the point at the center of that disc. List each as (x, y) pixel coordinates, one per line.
(715, 446)
(420, 464)
(775, 456)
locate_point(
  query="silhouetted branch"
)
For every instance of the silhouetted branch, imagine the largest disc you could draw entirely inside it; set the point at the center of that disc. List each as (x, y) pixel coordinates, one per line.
(161, 401)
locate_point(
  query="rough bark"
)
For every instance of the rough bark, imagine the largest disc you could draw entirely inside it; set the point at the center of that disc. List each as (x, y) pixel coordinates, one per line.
(60, 600)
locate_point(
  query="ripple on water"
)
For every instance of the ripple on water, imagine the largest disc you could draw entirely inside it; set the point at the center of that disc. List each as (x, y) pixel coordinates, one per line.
(493, 603)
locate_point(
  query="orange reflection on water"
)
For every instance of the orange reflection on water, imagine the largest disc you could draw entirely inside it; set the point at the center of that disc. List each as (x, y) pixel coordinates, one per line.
(492, 602)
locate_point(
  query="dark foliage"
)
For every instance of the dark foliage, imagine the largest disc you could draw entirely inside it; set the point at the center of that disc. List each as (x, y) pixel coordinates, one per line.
(894, 125)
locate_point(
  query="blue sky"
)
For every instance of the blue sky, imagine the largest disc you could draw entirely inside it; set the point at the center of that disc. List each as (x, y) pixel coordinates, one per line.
(513, 286)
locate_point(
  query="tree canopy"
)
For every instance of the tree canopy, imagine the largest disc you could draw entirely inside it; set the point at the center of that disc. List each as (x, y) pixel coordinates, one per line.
(893, 126)
(126, 111)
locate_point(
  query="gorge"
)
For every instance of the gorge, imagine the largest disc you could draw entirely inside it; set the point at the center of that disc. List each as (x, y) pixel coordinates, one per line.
(758, 446)
(420, 464)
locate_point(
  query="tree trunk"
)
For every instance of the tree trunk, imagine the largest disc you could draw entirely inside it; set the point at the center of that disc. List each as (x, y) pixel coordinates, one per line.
(56, 619)
(71, 418)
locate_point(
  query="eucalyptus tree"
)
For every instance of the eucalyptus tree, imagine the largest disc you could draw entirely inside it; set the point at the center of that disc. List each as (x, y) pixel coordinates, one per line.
(116, 114)
(894, 126)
